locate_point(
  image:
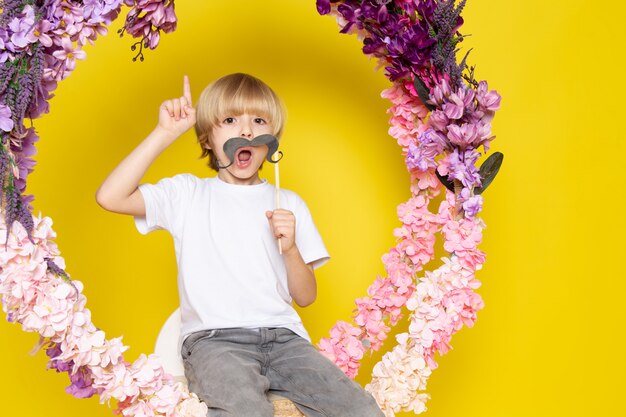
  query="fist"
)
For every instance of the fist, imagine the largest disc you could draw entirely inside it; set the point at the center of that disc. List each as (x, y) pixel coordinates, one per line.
(283, 226)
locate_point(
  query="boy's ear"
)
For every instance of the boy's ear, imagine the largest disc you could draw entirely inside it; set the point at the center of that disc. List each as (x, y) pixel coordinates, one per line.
(207, 144)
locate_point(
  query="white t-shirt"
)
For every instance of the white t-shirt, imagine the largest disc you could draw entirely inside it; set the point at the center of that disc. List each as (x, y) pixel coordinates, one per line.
(230, 273)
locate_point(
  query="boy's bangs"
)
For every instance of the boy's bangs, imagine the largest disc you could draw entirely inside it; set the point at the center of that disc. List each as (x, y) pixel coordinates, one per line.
(248, 99)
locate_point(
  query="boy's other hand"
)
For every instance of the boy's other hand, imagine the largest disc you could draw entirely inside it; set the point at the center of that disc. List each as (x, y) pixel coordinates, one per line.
(176, 116)
(283, 225)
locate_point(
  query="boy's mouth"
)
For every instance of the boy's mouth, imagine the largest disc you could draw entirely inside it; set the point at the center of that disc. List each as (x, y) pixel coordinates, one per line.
(243, 157)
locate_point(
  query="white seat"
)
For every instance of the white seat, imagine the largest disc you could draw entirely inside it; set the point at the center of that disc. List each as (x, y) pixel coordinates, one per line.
(167, 347)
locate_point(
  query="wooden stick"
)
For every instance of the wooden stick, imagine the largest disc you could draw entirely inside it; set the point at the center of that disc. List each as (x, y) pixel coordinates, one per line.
(277, 183)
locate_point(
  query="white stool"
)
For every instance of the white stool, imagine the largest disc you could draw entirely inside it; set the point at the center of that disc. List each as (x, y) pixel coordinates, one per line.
(167, 349)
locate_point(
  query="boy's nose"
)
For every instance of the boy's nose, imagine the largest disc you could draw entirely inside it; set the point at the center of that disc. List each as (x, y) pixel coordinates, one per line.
(246, 131)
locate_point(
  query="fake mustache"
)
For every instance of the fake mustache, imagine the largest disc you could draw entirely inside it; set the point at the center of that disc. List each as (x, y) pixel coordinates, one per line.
(233, 144)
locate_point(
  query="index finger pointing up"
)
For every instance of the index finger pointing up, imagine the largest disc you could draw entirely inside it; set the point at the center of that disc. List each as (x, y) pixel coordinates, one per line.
(187, 89)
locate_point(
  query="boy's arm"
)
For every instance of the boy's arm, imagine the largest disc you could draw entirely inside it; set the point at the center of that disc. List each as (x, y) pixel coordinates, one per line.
(300, 276)
(119, 192)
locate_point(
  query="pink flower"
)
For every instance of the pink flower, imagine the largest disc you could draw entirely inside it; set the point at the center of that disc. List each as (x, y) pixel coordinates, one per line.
(462, 237)
(440, 92)
(489, 100)
(461, 307)
(453, 110)
(148, 373)
(113, 352)
(439, 120)
(115, 382)
(464, 135)
(425, 183)
(344, 347)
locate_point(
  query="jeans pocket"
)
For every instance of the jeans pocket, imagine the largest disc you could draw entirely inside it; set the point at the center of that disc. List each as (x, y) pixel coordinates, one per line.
(193, 339)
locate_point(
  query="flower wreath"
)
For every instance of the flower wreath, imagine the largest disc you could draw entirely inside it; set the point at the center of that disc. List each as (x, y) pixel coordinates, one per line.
(440, 117)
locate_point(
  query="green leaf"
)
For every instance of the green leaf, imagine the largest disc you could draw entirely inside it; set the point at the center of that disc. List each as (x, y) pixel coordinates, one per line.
(423, 93)
(447, 183)
(488, 170)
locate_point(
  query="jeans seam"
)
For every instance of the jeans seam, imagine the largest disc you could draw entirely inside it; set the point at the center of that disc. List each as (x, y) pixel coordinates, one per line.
(293, 384)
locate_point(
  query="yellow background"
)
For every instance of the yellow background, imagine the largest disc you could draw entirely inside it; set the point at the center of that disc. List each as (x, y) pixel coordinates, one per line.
(548, 341)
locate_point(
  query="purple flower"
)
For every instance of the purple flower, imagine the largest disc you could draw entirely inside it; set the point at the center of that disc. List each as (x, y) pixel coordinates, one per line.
(22, 28)
(53, 352)
(472, 205)
(68, 54)
(461, 166)
(414, 158)
(146, 19)
(82, 380)
(81, 383)
(439, 121)
(399, 38)
(23, 153)
(489, 100)
(4, 41)
(462, 136)
(453, 110)
(41, 31)
(422, 156)
(101, 11)
(6, 123)
(323, 6)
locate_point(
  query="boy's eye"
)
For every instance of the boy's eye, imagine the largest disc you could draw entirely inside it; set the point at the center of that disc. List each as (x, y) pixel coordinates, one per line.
(229, 120)
(260, 120)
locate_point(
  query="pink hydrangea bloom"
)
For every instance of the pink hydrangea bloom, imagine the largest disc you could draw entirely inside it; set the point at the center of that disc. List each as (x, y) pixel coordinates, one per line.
(115, 382)
(462, 237)
(344, 347)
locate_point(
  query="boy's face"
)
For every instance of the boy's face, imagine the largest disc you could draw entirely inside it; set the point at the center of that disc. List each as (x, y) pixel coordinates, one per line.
(248, 160)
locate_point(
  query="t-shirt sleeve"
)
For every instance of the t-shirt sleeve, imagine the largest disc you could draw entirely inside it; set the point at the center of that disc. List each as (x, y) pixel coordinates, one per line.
(308, 238)
(165, 202)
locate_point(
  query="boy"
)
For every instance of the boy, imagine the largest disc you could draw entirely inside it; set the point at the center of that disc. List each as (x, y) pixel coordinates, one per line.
(241, 336)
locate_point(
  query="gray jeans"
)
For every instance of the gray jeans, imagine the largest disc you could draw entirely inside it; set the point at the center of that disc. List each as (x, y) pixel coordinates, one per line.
(232, 370)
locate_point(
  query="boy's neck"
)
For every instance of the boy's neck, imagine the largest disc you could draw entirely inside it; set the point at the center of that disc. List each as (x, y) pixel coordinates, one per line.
(229, 178)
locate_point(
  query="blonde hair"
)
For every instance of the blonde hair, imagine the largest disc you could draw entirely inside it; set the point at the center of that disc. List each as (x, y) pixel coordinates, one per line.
(233, 95)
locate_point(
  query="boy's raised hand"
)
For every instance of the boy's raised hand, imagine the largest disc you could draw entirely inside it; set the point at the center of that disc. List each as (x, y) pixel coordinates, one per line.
(177, 115)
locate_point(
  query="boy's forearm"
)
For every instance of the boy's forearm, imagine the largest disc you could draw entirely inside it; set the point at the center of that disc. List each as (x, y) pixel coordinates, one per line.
(300, 278)
(115, 192)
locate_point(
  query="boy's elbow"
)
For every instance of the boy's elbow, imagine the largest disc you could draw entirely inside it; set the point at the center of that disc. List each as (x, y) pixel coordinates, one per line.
(107, 201)
(102, 200)
(306, 300)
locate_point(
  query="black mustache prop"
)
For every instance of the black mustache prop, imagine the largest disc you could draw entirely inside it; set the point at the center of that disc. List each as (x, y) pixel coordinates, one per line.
(232, 144)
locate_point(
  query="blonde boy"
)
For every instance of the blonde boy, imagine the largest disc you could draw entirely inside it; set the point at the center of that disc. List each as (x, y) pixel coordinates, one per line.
(241, 336)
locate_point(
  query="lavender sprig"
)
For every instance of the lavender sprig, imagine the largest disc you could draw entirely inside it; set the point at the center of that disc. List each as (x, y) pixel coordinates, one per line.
(15, 209)
(443, 28)
(10, 9)
(7, 72)
(59, 272)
